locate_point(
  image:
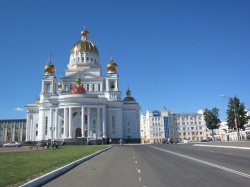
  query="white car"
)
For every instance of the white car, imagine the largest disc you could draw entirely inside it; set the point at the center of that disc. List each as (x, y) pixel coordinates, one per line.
(186, 141)
(12, 144)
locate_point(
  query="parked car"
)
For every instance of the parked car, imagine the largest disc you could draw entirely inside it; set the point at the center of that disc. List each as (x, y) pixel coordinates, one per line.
(12, 144)
(186, 141)
(204, 140)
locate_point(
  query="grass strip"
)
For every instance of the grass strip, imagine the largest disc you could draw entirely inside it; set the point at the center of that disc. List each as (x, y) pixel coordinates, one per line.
(17, 168)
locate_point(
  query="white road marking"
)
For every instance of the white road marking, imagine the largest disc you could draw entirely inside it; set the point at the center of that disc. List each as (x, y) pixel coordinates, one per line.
(140, 179)
(231, 147)
(136, 162)
(139, 171)
(207, 163)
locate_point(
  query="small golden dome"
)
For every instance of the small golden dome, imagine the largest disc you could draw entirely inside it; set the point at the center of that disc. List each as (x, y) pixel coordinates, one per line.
(85, 33)
(49, 68)
(128, 92)
(128, 98)
(37, 100)
(112, 66)
(59, 85)
(78, 81)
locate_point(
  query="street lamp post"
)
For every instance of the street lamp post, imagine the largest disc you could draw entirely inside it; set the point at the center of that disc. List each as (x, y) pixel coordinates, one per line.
(52, 129)
(235, 119)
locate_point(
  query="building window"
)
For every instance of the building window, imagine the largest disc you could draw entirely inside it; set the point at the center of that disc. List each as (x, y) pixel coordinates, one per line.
(128, 128)
(46, 125)
(47, 88)
(99, 87)
(112, 84)
(87, 87)
(86, 119)
(62, 129)
(93, 87)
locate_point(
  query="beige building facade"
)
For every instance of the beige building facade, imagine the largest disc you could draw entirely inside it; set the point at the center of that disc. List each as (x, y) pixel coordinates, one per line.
(157, 126)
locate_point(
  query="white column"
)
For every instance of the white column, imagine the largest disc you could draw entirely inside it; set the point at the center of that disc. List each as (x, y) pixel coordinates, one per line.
(88, 112)
(104, 122)
(56, 124)
(98, 127)
(65, 122)
(28, 128)
(50, 129)
(70, 124)
(83, 121)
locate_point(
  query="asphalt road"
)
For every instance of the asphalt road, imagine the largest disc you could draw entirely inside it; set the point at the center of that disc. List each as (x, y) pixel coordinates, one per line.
(160, 165)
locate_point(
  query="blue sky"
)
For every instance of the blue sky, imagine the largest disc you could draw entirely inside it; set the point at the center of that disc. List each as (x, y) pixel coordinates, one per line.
(182, 54)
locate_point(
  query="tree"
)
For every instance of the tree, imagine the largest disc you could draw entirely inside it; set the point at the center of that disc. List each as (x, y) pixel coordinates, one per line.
(236, 115)
(212, 120)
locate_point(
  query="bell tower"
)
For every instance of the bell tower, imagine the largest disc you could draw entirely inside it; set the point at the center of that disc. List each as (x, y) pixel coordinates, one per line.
(112, 82)
(48, 82)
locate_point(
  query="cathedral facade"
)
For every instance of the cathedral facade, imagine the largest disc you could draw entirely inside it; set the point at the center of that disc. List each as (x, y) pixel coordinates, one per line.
(83, 104)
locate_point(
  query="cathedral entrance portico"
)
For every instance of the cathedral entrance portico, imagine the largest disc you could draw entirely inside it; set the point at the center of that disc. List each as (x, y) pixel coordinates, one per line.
(88, 119)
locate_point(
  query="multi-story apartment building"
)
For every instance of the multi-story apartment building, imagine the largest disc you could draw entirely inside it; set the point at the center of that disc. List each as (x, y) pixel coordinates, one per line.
(164, 124)
(12, 130)
(189, 126)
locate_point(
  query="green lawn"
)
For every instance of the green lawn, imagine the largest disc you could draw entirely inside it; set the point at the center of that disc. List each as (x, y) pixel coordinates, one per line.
(17, 168)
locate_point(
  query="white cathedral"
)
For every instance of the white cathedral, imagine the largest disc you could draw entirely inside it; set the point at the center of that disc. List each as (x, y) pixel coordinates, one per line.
(84, 104)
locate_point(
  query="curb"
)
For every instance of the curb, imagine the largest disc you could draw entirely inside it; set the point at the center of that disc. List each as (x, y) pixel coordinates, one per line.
(49, 176)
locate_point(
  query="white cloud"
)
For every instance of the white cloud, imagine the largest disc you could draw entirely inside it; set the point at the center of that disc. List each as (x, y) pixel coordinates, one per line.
(19, 109)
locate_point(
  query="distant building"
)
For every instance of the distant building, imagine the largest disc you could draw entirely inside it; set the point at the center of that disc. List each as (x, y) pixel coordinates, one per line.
(12, 130)
(84, 104)
(155, 125)
(164, 124)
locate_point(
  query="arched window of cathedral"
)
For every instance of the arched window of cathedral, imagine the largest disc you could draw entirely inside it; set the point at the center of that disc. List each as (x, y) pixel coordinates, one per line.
(87, 87)
(87, 58)
(62, 127)
(112, 84)
(113, 124)
(94, 127)
(93, 87)
(47, 88)
(86, 119)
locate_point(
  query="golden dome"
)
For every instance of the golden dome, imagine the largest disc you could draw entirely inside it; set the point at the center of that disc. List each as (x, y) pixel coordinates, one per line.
(112, 66)
(37, 100)
(84, 45)
(78, 81)
(85, 33)
(59, 85)
(49, 68)
(128, 92)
